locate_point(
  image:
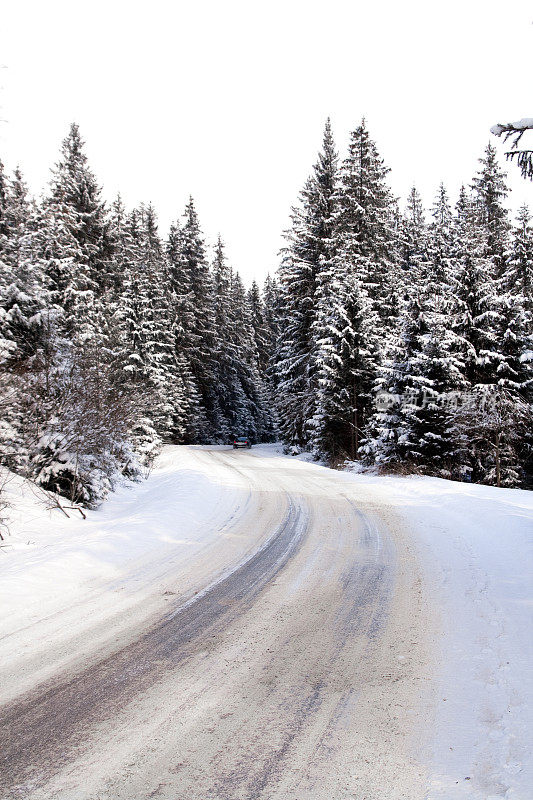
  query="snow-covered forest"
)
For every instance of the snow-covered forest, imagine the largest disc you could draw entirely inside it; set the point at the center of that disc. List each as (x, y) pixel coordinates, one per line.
(405, 335)
(397, 336)
(113, 339)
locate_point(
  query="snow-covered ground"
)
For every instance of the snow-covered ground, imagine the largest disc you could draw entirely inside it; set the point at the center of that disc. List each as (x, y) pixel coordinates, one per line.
(474, 544)
(80, 579)
(48, 558)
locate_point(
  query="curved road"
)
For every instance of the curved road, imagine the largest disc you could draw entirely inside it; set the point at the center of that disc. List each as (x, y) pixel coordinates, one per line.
(291, 662)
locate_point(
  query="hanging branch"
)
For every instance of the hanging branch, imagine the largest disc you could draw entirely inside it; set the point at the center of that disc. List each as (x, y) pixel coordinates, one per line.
(515, 131)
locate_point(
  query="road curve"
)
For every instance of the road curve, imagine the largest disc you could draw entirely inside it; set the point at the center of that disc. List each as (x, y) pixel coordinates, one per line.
(297, 669)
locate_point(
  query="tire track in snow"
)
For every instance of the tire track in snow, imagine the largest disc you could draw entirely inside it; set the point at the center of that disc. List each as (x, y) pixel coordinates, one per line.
(41, 731)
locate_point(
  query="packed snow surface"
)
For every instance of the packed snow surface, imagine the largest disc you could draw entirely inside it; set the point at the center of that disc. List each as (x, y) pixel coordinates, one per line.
(473, 543)
(476, 543)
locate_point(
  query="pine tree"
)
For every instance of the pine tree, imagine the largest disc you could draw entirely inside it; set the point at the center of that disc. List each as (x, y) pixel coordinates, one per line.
(488, 325)
(229, 402)
(364, 228)
(519, 258)
(198, 339)
(252, 415)
(401, 390)
(441, 252)
(474, 299)
(23, 294)
(302, 276)
(154, 368)
(74, 185)
(348, 361)
(358, 302)
(490, 190)
(271, 300)
(183, 307)
(415, 244)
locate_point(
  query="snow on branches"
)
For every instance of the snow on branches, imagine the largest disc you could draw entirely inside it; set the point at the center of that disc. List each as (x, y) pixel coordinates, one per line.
(515, 132)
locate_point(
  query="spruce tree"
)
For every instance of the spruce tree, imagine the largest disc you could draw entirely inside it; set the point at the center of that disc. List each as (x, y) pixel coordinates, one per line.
(74, 185)
(365, 240)
(228, 400)
(489, 193)
(414, 258)
(441, 252)
(348, 358)
(519, 258)
(302, 275)
(198, 339)
(475, 299)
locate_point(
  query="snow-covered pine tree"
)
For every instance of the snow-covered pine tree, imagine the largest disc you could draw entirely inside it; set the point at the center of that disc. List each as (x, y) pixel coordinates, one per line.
(74, 184)
(229, 405)
(259, 325)
(256, 410)
(263, 344)
(15, 335)
(420, 375)
(474, 298)
(198, 339)
(401, 387)
(430, 425)
(485, 323)
(414, 239)
(519, 258)
(515, 371)
(302, 274)
(183, 306)
(364, 233)
(155, 372)
(271, 300)
(492, 423)
(489, 193)
(23, 294)
(81, 420)
(181, 288)
(348, 359)
(358, 301)
(441, 249)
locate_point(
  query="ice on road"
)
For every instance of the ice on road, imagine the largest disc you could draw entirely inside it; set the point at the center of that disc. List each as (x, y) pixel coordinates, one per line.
(245, 625)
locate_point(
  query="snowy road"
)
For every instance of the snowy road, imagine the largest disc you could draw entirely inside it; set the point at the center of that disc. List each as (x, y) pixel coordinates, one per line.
(244, 626)
(282, 667)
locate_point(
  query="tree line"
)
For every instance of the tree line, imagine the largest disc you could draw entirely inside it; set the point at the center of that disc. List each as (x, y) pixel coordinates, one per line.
(398, 337)
(114, 340)
(406, 337)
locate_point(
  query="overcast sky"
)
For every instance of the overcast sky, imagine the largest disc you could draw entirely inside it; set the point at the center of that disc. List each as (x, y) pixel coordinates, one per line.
(226, 100)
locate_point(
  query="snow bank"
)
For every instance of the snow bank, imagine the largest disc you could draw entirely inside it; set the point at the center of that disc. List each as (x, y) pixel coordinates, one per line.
(476, 543)
(68, 584)
(47, 557)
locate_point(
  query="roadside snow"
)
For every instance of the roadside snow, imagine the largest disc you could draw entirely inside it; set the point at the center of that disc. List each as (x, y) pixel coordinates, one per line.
(476, 544)
(77, 581)
(47, 557)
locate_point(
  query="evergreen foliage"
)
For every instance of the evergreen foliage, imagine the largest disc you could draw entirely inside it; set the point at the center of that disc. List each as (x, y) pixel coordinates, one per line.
(400, 338)
(113, 342)
(411, 326)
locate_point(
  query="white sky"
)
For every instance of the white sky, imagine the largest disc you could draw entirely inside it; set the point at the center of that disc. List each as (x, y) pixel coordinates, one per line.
(227, 100)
